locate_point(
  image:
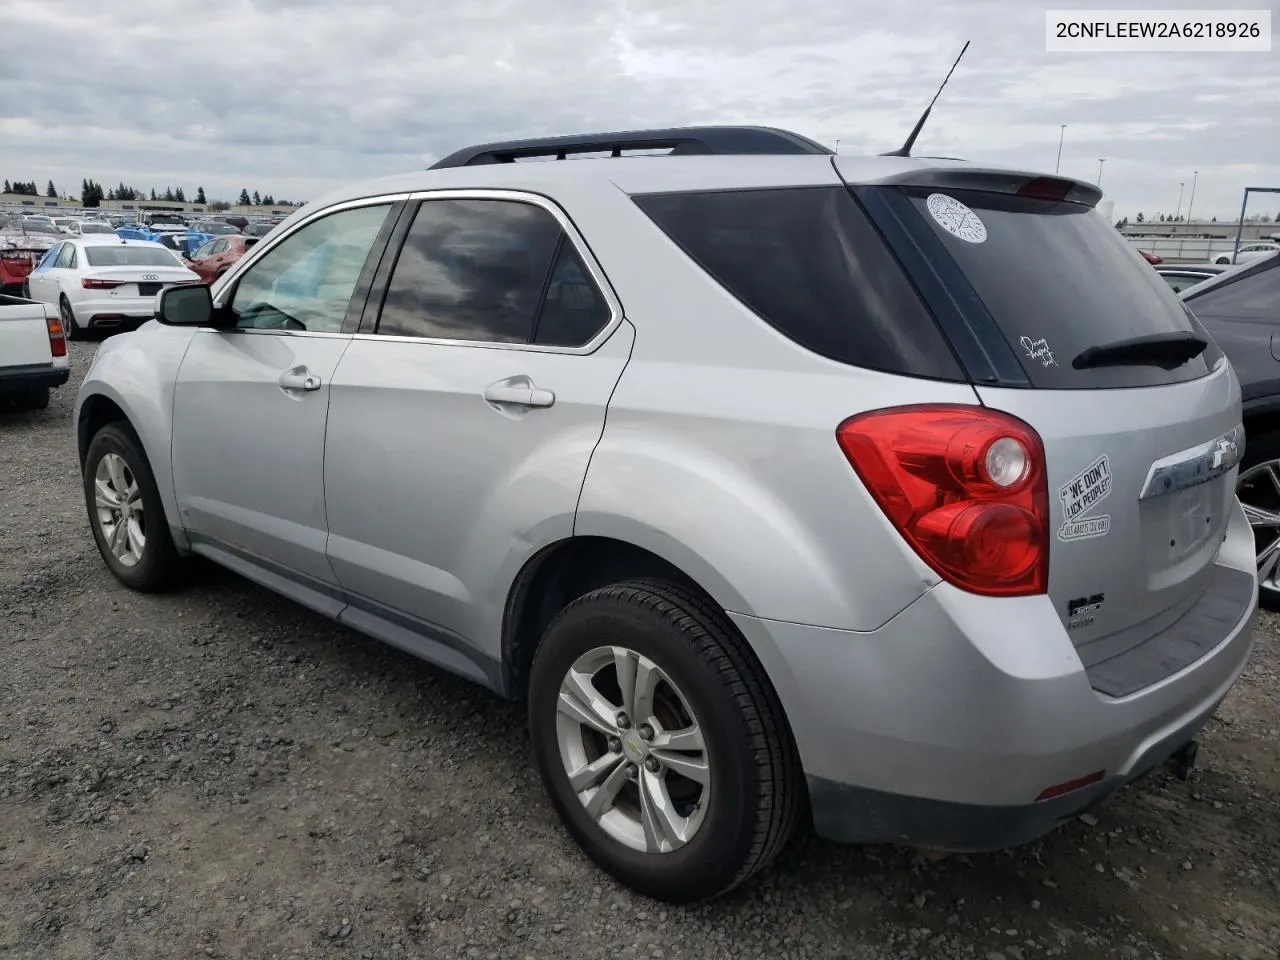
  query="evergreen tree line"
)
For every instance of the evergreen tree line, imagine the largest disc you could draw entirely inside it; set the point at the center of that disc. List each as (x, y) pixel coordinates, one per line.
(92, 194)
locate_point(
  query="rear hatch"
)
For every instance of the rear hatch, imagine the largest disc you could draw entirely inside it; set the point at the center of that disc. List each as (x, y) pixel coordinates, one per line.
(1062, 324)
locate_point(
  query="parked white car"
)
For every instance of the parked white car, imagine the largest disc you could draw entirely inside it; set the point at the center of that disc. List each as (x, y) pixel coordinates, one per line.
(82, 228)
(104, 282)
(1250, 251)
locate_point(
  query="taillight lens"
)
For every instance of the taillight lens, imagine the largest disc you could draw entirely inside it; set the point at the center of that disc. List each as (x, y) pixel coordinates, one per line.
(57, 338)
(965, 486)
(93, 283)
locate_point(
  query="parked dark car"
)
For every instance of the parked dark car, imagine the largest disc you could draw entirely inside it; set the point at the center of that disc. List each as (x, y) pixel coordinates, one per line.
(1184, 276)
(1241, 310)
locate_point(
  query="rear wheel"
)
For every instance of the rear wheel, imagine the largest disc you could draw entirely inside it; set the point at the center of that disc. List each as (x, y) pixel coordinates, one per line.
(125, 511)
(69, 325)
(1223, 261)
(660, 741)
(1258, 488)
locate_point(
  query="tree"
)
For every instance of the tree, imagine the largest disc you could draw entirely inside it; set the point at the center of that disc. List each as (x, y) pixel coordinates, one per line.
(179, 195)
(1139, 218)
(1213, 219)
(244, 200)
(7, 187)
(153, 193)
(50, 191)
(257, 200)
(218, 206)
(200, 195)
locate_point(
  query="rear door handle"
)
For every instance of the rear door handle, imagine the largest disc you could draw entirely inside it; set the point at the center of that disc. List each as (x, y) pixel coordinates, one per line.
(519, 394)
(299, 378)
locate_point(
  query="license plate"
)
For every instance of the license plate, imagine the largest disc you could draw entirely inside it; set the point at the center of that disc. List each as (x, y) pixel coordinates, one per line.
(1190, 518)
(149, 289)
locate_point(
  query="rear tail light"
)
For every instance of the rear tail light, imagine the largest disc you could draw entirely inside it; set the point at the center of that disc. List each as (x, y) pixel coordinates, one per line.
(966, 488)
(93, 283)
(57, 337)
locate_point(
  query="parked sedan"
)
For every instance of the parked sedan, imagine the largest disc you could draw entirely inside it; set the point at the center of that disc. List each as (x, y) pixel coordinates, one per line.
(1184, 276)
(105, 283)
(83, 228)
(216, 257)
(1250, 251)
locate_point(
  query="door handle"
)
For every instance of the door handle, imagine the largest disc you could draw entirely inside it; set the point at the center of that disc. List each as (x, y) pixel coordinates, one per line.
(522, 395)
(299, 378)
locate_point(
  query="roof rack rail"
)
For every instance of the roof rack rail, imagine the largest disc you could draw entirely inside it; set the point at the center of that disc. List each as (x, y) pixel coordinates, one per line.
(679, 140)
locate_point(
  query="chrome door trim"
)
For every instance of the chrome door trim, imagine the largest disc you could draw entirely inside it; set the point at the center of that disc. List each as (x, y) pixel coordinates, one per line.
(261, 248)
(579, 244)
(1195, 465)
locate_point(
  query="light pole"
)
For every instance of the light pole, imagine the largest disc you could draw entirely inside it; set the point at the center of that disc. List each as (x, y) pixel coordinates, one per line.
(1062, 132)
(1101, 161)
(1195, 175)
(1178, 212)
(837, 144)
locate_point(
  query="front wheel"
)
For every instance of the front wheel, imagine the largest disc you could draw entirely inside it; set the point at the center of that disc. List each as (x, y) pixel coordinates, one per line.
(1223, 261)
(125, 511)
(661, 742)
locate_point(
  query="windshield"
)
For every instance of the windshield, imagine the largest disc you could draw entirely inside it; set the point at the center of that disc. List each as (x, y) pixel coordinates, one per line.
(217, 229)
(95, 228)
(1057, 279)
(122, 256)
(165, 218)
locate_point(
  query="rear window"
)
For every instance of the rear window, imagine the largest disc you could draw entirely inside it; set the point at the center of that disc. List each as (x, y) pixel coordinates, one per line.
(1057, 278)
(129, 257)
(809, 263)
(1251, 294)
(95, 228)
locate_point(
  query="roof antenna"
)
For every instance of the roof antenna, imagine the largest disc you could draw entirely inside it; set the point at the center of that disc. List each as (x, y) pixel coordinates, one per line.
(905, 149)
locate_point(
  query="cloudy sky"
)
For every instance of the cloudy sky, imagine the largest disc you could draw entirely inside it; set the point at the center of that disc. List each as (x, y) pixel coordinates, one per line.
(289, 97)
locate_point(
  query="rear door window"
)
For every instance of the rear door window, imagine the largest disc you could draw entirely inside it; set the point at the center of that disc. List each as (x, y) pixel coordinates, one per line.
(1057, 279)
(809, 263)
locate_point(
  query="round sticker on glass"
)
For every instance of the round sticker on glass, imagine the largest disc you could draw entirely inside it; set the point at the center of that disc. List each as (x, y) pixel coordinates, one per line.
(957, 219)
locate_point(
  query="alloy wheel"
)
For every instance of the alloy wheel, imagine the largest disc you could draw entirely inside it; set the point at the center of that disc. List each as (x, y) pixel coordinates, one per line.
(633, 751)
(1259, 491)
(119, 509)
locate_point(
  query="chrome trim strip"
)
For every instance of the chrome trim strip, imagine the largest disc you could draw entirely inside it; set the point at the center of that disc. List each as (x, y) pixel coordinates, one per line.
(1195, 465)
(261, 249)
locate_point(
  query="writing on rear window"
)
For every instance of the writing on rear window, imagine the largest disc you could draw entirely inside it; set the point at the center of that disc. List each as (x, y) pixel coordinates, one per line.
(1079, 496)
(1038, 349)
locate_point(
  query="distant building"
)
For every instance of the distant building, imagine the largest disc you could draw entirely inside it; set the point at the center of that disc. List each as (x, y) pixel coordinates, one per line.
(16, 201)
(1200, 228)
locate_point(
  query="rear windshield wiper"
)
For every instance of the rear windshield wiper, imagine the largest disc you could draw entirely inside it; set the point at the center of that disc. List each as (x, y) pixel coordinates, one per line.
(1165, 350)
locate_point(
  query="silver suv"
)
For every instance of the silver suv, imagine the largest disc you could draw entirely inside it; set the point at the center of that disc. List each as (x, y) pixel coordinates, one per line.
(778, 484)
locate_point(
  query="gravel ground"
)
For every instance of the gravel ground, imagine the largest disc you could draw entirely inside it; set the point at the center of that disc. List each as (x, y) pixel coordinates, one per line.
(221, 773)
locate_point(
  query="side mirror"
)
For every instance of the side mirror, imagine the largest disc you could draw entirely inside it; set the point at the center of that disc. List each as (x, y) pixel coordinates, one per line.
(185, 306)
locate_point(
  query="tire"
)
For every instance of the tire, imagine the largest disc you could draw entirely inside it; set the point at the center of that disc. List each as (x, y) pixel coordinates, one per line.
(157, 564)
(751, 804)
(37, 398)
(1255, 487)
(1223, 261)
(70, 328)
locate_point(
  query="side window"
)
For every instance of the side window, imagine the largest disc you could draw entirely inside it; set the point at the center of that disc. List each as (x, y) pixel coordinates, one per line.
(471, 270)
(66, 257)
(219, 246)
(206, 250)
(574, 309)
(306, 281)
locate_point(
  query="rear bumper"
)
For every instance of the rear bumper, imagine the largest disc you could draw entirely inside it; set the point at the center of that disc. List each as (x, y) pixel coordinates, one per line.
(943, 726)
(32, 377)
(114, 313)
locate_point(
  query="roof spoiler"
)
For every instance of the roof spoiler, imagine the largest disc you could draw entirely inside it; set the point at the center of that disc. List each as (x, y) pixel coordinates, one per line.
(1014, 182)
(723, 140)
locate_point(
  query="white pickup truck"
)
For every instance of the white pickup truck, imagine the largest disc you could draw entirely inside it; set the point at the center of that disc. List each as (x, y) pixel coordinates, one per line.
(33, 352)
